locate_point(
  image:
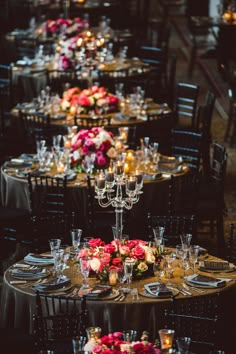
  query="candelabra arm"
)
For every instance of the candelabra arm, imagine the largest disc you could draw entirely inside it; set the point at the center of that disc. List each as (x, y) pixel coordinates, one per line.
(119, 221)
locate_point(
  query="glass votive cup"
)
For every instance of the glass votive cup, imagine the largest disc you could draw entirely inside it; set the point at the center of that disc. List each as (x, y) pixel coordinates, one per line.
(113, 277)
(183, 344)
(166, 338)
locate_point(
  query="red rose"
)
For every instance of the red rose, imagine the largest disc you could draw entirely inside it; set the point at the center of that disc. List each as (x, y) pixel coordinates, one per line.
(117, 261)
(109, 248)
(95, 242)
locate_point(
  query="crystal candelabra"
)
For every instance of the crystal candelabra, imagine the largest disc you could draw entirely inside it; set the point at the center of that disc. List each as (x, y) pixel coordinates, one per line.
(119, 190)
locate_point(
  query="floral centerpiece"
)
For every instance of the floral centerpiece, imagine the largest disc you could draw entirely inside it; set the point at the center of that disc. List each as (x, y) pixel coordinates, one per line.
(104, 257)
(65, 25)
(95, 98)
(113, 343)
(95, 141)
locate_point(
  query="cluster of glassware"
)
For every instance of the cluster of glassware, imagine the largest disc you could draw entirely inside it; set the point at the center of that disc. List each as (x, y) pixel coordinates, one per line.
(60, 254)
(185, 252)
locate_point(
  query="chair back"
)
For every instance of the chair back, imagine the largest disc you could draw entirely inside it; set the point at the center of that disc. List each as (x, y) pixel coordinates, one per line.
(47, 194)
(188, 145)
(171, 80)
(174, 225)
(218, 164)
(186, 97)
(198, 318)
(59, 319)
(231, 244)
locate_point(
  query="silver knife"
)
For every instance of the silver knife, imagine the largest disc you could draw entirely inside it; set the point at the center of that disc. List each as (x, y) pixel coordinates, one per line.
(18, 281)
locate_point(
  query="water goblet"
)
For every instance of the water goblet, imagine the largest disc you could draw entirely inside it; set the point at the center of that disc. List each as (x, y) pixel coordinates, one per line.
(84, 269)
(186, 239)
(158, 268)
(89, 161)
(183, 344)
(193, 255)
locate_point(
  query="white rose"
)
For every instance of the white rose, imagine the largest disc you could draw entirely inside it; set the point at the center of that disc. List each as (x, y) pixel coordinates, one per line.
(149, 256)
(65, 105)
(95, 264)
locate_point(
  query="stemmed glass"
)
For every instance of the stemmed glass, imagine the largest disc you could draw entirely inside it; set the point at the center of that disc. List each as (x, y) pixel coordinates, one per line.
(75, 238)
(84, 269)
(128, 269)
(158, 269)
(193, 255)
(54, 244)
(186, 240)
(158, 236)
(89, 163)
(59, 263)
(182, 253)
(169, 259)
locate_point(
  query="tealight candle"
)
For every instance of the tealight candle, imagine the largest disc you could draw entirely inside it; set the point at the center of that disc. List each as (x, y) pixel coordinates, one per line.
(60, 167)
(166, 338)
(113, 277)
(130, 156)
(67, 144)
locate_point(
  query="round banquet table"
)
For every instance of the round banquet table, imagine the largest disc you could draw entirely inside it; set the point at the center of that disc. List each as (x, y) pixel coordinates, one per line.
(18, 303)
(15, 194)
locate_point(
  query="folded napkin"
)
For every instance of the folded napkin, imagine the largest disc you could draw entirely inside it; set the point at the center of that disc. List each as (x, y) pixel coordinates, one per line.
(157, 289)
(29, 157)
(53, 284)
(215, 265)
(38, 258)
(29, 273)
(18, 163)
(99, 291)
(204, 280)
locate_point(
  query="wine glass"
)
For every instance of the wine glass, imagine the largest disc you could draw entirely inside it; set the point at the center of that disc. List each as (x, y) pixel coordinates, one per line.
(59, 262)
(84, 269)
(193, 255)
(186, 239)
(128, 269)
(158, 268)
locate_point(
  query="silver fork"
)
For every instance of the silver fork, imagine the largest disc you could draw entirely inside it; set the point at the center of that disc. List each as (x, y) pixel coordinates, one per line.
(192, 288)
(31, 283)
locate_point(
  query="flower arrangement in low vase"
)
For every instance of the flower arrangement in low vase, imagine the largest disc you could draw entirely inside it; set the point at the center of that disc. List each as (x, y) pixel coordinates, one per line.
(113, 343)
(95, 98)
(96, 142)
(104, 257)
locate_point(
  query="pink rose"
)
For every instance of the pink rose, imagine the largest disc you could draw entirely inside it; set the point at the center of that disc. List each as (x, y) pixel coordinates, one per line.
(138, 252)
(117, 261)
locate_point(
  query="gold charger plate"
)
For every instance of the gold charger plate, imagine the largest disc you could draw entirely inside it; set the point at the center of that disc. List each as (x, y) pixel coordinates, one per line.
(174, 291)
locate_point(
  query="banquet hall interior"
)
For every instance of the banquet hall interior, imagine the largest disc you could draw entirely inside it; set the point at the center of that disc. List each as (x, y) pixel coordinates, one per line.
(57, 59)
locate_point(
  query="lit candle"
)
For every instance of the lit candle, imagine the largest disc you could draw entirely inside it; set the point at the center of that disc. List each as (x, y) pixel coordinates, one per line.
(67, 144)
(79, 42)
(131, 183)
(73, 110)
(139, 176)
(110, 175)
(101, 181)
(113, 277)
(119, 168)
(126, 168)
(166, 337)
(118, 145)
(60, 167)
(130, 156)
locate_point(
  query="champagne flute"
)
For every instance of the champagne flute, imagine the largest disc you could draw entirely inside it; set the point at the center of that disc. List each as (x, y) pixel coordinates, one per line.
(128, 269)
(169, 259)
(193, 255)
(76, 237)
